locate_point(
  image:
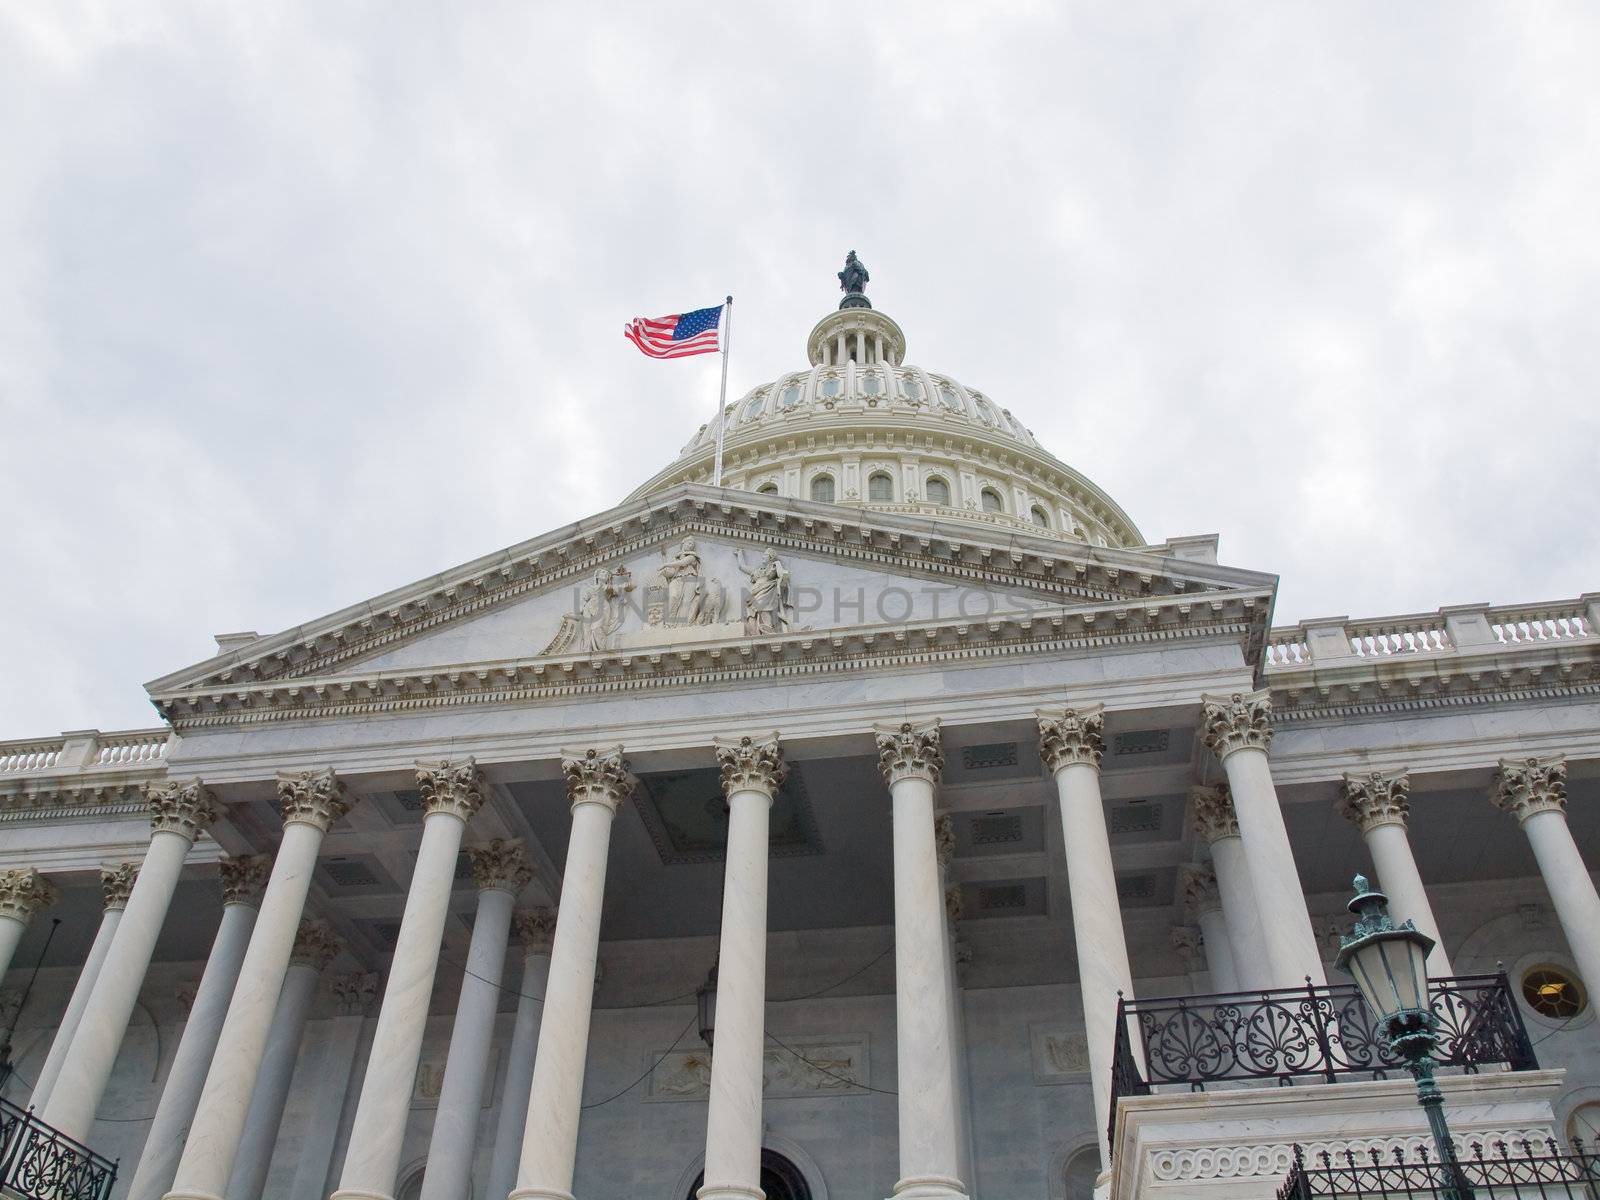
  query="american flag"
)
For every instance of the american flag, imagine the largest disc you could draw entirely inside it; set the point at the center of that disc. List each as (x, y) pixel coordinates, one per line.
(677, 336)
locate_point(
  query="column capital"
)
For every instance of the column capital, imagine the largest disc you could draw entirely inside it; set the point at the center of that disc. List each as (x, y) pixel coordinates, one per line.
(1214, 818)
(536, 929)
(1238, 721)
(315, 798)
(1525, 787)
(1197, 882)
(454, 788)
(244, 879)
(955, 905)
(1375, 798)
(598, 777)
(315, 944)
(1071, 735)
(356, 992)
(116, 882)
(908, 751)
(749, 765)
(944, 838)
(500, 865)
(185, 807)
(24, 892)
(1186, 940)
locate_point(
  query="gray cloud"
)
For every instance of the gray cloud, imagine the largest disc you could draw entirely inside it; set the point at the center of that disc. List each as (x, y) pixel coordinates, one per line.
(303, 303)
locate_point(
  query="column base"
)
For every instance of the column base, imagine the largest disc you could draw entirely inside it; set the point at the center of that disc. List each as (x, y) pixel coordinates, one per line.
(190, 1195)
(358, 1194)
(539, 1193)
(729, 1191)
(930, 1187)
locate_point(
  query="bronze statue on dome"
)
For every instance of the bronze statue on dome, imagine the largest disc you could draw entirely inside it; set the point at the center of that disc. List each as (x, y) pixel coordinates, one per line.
(853, 283)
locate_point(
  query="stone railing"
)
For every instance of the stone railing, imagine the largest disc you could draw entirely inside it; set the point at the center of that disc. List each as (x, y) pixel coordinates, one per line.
(85, 750)
(1460, 629)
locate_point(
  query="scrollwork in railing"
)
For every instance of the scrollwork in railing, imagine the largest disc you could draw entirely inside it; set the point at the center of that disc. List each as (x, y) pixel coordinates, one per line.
(38, 1162)
(1524, 1169)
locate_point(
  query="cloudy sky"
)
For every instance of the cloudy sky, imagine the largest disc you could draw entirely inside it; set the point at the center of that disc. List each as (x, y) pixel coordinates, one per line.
(303, 301)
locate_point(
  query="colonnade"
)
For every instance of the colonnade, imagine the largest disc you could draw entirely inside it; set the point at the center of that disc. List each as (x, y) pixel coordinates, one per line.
(220, 1109)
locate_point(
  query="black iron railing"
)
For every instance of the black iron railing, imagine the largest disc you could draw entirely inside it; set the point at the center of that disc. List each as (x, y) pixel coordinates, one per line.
(1304, 1033)
(1525, 1171)
(39, 1162)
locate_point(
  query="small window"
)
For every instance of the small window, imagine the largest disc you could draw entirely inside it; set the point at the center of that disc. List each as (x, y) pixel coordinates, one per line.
(912, 386)
(938, 491)
(991, 501)
(871, 384)
(1552, 992)
(791, 396)
(1040, 518)
(768, 489)
(985, 413)
(880, 487)
(949, 399)
(830, 388)
(822, 488)
(756, 405)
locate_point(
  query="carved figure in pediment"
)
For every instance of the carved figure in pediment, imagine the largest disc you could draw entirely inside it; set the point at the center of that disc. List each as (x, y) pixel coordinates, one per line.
(685, 590)
(768, 608)
(600, 610)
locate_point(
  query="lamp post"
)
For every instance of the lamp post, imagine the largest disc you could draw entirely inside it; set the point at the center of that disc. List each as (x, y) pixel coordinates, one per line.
(1389, 965)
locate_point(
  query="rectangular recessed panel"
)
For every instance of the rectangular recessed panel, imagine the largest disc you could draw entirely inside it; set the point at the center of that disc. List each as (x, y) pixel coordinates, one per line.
(350, 872)
(1141, 741)
(1136, 818)
(1005, 895)
(994, 829)
(388, 932)
(1133, 889)
(463, 866)
(989, 757)
(410, 799)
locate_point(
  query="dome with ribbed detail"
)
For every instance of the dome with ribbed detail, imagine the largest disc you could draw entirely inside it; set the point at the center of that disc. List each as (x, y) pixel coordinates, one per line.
(862, 427)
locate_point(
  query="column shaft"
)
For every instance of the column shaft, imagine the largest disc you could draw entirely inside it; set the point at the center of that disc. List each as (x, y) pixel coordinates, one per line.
(448, 1175)
(373, 1158)
(733, 1122)
(1290, 942)
(1243, 919)
(1571, 888)
(180, 1095)
(1400, 880)
(265, 1114)
(87, 1069)
(11, 931)
(519, 1073)
(81, 991)
(1219, 950)
(213, 1141)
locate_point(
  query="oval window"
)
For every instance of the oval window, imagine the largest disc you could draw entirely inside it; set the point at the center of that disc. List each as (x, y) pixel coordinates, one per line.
(871, 384)
(830, 388)
(913, 388)
(791, 395)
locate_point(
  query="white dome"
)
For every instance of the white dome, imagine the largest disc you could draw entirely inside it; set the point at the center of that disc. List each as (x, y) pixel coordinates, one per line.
(862, 427)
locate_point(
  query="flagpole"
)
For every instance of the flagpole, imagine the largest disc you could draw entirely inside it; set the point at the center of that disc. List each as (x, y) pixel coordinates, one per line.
(722, 399)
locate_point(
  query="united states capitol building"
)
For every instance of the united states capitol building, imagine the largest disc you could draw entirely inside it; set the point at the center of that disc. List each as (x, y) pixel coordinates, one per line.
(895, 819)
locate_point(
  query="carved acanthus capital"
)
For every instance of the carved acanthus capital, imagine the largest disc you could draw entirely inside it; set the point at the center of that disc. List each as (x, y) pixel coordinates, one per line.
(315, 798)
(598, 777)
(955, 904)
(536, 929)
(1239, 721)
(185, 807)
(908, 751)
(944, 838)
(1525, 787)
(315, 944)
(749, 765)
(244, 879)
(1186, 941)
(1198, 883)
(24, 892)
(502, 864)
(116, 883)
(1071, 735)
(455, 788)
(1375, 798)
(355, 992)
(185, 994)
(1214, 818)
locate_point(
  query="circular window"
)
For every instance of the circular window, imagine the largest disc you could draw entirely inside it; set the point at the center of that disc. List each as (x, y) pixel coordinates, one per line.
(1552, 992)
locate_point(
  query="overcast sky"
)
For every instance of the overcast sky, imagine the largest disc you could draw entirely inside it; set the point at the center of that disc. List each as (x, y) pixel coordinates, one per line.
(300, 302)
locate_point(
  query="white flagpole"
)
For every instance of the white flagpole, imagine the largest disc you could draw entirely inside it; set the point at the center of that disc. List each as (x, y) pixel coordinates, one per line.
(722, 399)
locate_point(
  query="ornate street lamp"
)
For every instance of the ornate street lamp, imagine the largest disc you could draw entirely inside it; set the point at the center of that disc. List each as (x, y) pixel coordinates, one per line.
(705, 1000)
(1389, 965)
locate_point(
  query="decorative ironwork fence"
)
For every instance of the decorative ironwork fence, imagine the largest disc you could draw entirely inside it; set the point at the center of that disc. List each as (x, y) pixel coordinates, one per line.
(1304, 1033)
(38, 1162)
(1485, 1172)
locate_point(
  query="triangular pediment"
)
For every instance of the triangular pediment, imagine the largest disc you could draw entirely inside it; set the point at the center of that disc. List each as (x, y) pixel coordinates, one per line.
(696, 570)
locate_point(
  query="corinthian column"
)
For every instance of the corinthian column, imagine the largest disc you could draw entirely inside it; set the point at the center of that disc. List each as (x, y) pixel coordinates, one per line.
(597, 781)
(534, 928)
(1238, 729)
(179, 811)
(1071, 745)
(451, 793)
(315, 946)
(311, 801)
(1214, 821)
(243, 881)
(1203, 898)
(1534, 790)
(1377, 805)
(23, 893)
(115, 882)
(752, 772)
(500, 870)
(911, 761)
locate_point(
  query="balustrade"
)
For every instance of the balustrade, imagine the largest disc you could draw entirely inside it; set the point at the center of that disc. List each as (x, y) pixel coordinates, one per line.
(39, 1162)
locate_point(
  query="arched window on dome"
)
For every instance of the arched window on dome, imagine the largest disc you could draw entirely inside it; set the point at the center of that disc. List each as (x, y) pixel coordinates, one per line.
(938, 491)
(870, 383)
(757, 403)
(822, 489)
(791, 395)
(1040, 517)
(831, 386)
(912, 387)
(880, 486)
(991, 500)
(768, 489)
(948, 398)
